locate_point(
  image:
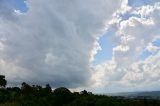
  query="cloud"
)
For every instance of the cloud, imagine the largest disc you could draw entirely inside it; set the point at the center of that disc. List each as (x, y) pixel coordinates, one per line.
(133, 35)
(6, 10)
(152, 48)
(53, 41)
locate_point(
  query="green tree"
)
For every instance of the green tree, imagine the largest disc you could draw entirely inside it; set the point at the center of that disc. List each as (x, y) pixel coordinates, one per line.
(62, 96)
(3, 81)
(48, 89)
(84, 92)
(26, 89)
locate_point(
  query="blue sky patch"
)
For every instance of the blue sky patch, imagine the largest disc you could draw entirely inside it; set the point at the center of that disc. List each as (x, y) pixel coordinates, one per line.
(145, 54)
(157, 42)
(19, 5)
(138, 3)
(107, 45)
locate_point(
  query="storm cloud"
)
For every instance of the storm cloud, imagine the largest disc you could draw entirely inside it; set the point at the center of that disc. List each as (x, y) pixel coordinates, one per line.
(53, 41)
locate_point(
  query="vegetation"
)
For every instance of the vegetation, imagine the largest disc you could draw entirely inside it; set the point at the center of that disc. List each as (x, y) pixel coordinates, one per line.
(36, 95)
(3, 82)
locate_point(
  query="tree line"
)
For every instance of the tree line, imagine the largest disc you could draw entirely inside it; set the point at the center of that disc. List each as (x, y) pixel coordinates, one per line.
(36, 95)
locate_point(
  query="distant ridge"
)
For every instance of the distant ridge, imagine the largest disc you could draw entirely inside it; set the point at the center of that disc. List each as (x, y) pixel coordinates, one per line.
(136, 94)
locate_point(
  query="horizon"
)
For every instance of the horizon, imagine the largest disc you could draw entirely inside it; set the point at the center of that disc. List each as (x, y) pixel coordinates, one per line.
(102, 46)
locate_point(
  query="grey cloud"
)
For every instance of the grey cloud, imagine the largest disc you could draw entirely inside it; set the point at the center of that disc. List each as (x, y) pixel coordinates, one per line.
(6, 10)
(51, 43)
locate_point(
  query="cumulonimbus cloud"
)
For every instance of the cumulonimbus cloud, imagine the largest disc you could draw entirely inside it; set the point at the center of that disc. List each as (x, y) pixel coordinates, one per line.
(52, 42)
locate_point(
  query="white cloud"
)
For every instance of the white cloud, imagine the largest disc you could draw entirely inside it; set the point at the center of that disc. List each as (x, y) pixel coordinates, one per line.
(151, 48)
(133, 36)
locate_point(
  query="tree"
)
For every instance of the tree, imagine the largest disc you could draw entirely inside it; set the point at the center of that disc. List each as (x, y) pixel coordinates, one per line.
(3, 82)
(48, 89)
(26, 89)
(62, 96)
(62, 91)
(84, 92)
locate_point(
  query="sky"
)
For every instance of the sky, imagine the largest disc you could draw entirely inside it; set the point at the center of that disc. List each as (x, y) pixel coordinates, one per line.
(99, 45)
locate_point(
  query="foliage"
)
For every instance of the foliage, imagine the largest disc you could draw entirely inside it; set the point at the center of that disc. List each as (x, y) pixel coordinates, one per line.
(36, 95)
(3, 82)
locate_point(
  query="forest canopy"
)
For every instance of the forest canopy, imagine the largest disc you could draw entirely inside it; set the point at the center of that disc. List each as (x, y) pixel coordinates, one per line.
(36, 95)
